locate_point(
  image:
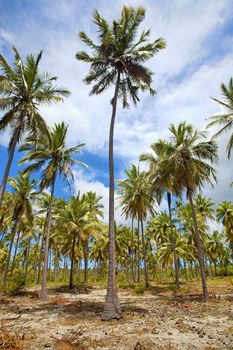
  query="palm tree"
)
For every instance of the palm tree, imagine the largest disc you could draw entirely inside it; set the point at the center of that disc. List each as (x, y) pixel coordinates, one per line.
(225, 121)
(136, 199)
(225, 216)
(52, 156)
(190, 161)
(21, 201)
(117, 60)
(94, 213)
(22, 90)
(163, 180)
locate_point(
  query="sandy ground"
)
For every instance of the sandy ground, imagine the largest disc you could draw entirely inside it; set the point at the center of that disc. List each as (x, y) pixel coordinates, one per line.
(155, 320)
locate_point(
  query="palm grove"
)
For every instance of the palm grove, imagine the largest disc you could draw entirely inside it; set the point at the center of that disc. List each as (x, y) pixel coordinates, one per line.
(46, 238)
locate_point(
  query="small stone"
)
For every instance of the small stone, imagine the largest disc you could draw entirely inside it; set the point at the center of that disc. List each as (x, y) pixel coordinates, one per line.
(169, 333)
(155, 331)
(48, 345)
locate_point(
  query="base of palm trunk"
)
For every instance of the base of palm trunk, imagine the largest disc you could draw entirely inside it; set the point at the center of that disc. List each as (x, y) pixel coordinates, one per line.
(112, 309)
(43, 295)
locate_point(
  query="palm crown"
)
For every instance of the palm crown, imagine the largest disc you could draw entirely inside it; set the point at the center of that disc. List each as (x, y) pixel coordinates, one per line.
(119, 54)
(52, 155)
(22, 90)
(225, 121)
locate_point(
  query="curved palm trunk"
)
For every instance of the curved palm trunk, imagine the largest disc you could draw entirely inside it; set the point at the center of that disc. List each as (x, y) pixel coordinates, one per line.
(199, 249)
(144, 257)
(9, 253)
(112, 306)
(43, 295)
(177, 281)
(9, 162)
(71, 285)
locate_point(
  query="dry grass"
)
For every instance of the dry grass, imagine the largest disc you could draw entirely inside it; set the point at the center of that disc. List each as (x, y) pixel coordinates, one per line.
(9, 341)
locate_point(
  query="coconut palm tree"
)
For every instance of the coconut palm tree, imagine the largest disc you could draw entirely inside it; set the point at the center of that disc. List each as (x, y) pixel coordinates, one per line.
(78, 223)
(225, 121)
(163, 180)
(54, 158)
(22, 89)
(94, 213)
(117, 59)
(225, 216)
(137, 199)
(191, 162)
(22, 197)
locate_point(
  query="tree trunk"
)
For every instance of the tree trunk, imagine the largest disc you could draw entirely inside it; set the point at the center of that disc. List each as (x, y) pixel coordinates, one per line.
(43, 295)
(27, 258)
(199, 249)
(71, 285)
(112, 306)
(15, 253)
(177, 281)
(40, 258)
(144, 257)
(9, 162)
(9, 253)
(215, 268)
(139, 274)
(36, 257)
(85, 253)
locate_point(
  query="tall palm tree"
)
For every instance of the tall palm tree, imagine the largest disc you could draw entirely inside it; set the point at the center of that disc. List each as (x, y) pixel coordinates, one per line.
(117, 60)
(54, 158)
(225, 121)
(94, 213)
(23, 195)
(136, 199)
(191, 162)
(225, 216)
(162, 179)
(22, 89)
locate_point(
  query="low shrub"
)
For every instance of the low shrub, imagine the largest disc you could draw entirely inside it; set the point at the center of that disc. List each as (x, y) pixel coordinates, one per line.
(15, 285)
(139, 289)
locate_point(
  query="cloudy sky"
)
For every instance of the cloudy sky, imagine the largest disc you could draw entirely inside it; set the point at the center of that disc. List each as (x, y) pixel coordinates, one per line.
(198, 57)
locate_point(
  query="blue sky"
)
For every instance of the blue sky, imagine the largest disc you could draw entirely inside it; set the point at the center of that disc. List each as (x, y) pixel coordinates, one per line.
(199, 56)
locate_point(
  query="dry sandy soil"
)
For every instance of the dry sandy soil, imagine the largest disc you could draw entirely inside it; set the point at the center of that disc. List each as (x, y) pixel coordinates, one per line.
(159, 319)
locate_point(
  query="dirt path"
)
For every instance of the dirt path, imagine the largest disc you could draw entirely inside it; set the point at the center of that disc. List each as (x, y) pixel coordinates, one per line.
(72, 321)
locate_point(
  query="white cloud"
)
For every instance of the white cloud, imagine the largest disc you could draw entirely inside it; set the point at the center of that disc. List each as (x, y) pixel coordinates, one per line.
(85, 183)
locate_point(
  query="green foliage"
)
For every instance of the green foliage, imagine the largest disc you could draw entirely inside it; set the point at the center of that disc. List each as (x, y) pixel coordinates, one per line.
(15, 285)
(139, 289)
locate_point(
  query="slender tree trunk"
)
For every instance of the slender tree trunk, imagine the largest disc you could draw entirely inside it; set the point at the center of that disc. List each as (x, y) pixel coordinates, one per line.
(45, 268)
(27, 258)
(199, 249)
(9, 162)
(71, 285)
(15, 253)
(112, 306)
(40, 258)
(144, 257)
(85, 253)
(185, 270)
(64, 270)
(131, 254)
(139, 272)
(215, 268)
(177, 281)
(36, 258)
(9, 253)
